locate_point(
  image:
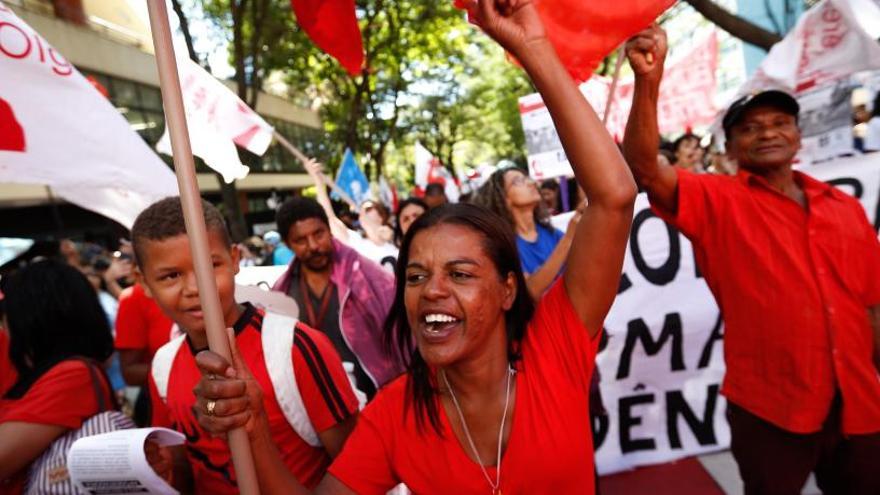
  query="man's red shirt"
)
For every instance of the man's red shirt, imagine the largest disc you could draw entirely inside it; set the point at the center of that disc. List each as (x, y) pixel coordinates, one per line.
(140, 324)
(793, 285)
(322, 382)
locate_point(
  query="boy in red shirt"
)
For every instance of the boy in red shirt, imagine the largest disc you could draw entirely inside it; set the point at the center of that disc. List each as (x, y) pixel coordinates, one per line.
(318, 391)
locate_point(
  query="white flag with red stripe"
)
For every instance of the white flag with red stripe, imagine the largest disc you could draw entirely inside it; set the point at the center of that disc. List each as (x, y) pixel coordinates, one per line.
(217, 120)
(57, 130)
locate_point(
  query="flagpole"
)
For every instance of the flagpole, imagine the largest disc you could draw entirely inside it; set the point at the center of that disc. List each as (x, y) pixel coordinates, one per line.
(617, 66)
(190, 199)
(293, 150)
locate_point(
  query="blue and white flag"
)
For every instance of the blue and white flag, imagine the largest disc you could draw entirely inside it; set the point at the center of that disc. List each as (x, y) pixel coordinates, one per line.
(351, 179)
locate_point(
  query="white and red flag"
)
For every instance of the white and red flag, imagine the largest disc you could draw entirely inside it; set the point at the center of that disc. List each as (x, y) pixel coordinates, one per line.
(57, 130)
(217, 120)
(429, 170)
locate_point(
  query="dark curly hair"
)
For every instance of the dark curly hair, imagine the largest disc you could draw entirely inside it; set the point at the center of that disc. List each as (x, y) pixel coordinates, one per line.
(493, 197)
(499, 245)
(296, 209)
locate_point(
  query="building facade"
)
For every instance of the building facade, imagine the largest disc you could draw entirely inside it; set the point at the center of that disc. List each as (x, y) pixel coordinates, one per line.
(109, 44)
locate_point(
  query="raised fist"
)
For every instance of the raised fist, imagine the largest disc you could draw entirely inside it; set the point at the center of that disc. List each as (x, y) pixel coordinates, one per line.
(646, 52)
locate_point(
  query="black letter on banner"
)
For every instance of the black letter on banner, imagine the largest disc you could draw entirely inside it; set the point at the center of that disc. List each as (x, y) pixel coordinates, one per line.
(716, 336)
(666, 272)
(858, 189)
(627, 421)
(637, 330)
(625, 283)
(703, 430)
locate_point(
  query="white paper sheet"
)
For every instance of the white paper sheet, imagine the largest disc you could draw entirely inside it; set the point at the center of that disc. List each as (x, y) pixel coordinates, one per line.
(115, 463)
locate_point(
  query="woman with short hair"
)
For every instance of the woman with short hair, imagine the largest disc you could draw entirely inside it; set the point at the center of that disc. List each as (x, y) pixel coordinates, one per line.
(496, 394)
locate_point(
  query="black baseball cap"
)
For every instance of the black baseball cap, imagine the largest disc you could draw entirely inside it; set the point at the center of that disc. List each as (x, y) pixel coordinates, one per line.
(773, 98)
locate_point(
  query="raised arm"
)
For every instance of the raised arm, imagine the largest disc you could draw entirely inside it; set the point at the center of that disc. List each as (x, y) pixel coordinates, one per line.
(646, 53)
(337, 227)
(595, 260)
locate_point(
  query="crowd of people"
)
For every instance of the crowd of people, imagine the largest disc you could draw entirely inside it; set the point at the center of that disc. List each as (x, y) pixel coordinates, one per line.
(450, 348)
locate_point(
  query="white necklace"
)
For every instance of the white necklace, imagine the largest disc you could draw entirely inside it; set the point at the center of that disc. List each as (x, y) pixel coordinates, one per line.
(496, 486)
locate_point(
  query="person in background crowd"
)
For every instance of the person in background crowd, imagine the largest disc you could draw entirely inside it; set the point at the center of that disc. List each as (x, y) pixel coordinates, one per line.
(665, 157)
(408, 211)
(59, 339)
(110, 306)
(376, 241)
(872, 133)
(513, 196)
(346, 216)
(795, 268)
(688, 153)
(280, 253)
(551, 197)
(339, 292)
(435, 195)
(141, 329)
(861, 117)
(485, 352)
(324, 399)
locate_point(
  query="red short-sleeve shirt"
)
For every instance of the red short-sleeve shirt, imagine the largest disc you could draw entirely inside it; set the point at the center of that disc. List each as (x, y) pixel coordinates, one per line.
(323, 385)
(550, 445)
(8, 375)
(140, 324)
(64, 396)
(793, 285)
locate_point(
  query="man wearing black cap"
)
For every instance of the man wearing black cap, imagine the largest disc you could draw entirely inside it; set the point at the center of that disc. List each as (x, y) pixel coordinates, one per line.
(795, 268)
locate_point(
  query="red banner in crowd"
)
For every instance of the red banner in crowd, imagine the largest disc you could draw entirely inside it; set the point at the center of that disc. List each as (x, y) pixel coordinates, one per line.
(332, 25)
(585, 32)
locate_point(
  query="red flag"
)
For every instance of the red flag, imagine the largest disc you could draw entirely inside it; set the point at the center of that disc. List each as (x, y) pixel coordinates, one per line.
(332, 25)
(584, 32)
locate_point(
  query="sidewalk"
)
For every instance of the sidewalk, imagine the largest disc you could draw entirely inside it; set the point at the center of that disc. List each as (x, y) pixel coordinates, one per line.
(713, 474)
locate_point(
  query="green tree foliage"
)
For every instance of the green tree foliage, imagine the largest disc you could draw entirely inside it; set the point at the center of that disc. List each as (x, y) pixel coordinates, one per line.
(429, 76)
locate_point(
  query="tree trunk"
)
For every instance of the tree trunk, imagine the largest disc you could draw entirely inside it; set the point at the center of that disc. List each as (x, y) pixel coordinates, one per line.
(736, 26)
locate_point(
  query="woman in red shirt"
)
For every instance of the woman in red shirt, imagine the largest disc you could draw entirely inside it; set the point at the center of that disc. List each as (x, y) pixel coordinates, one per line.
(57, 332)
(496, 397)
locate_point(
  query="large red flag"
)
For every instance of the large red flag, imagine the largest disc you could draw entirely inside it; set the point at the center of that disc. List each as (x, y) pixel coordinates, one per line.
(333, 26)
(585, 31)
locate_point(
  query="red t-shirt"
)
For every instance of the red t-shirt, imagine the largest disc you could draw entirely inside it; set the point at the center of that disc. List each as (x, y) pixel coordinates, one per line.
(793, 285)
(8, 375)
(323, 385)
(140, 324)
(63, 396)
(550, 445)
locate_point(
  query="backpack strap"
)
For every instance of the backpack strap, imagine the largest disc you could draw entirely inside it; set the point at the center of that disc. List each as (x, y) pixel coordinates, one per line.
(160, 369)
(277, 337)
(98, 377)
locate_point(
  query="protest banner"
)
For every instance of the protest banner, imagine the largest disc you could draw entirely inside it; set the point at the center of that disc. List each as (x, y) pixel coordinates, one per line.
(815, 62)
(217, 120)
(686, 100)
(57, 130)
(662, 367)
